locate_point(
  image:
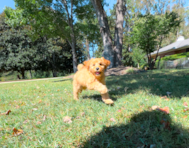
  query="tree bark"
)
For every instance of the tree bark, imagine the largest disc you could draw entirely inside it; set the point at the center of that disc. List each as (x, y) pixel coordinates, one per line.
(72, 35)
(23, 73)
(74, 54)
(118, 37)
(31, 74)
(87, 49)
(74, 57)
(54, 66)
(105, 31)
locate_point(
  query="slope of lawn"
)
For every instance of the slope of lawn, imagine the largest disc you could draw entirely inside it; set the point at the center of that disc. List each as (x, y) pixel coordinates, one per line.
(46, 115)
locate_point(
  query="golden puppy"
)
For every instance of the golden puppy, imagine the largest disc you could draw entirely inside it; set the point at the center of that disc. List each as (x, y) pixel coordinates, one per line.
(91, 76)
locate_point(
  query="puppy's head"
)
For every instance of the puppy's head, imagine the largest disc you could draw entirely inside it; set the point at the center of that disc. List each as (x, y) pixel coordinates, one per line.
(97, 66)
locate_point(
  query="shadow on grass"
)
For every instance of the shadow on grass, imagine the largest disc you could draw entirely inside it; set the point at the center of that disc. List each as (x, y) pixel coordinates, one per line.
(156, 83)
(144, 130)
(97, 97)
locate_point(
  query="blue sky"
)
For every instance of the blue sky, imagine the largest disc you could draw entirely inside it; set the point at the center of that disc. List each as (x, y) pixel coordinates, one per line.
(10, 3)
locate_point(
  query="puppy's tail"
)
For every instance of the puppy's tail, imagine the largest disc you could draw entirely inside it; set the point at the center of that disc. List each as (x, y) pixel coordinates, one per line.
(80, 66)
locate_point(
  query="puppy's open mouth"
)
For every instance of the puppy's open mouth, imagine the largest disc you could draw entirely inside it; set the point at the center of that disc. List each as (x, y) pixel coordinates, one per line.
(97, 73)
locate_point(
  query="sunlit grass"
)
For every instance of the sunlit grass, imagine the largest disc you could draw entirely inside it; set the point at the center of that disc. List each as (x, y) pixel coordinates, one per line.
(39, 108)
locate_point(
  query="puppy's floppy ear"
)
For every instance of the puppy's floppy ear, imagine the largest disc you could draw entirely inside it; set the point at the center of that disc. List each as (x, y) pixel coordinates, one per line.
(105, 62)
(87, 64)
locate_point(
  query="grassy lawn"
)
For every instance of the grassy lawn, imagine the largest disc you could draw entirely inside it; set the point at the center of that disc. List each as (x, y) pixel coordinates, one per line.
(12, 75)
(41, 109)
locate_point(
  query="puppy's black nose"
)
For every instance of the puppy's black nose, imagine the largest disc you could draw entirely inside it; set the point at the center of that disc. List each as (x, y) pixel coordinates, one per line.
(97, 68)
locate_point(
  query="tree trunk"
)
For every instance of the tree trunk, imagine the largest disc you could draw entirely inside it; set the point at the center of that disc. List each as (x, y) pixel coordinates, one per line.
(72, 35)
(74, 55)
(23, 73)
(54, 66)
(30, 74)
(118, 37)
(104, 30)
(54, 73)
(87, 49)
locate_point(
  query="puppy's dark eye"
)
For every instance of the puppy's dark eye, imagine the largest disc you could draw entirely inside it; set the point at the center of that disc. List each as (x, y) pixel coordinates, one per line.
(100, 64)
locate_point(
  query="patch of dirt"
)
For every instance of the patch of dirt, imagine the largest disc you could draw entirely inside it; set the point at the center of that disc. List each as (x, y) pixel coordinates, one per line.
(70, 76)
(121, 70)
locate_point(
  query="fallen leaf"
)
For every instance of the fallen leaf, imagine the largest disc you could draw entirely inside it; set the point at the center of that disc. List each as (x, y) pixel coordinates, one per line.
(17, 106)
(44, 117)
(119, 110)
(166, 124)
(83, 113)
(155, 107)
(26, 121)
(165, 97)
(185, 117)
(185, 104)
(187, 109)
(67, 119)
(17, 132)
(34, 109)
(40, 101)
(165, 109)
(112, 119)
(6, 113)
(38, 122)
(78, 117)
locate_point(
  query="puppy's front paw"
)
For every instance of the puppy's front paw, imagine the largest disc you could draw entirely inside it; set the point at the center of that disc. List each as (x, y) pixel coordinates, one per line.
(76, 98)
(108, 101)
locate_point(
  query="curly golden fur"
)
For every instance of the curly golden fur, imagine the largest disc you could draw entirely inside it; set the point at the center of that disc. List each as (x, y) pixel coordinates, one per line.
(90, 75)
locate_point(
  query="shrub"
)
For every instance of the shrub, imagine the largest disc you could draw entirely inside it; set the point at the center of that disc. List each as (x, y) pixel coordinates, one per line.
(176, 56)
(144, 65)
(130, 71)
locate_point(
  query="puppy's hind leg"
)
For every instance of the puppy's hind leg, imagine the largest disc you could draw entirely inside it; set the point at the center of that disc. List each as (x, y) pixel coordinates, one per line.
(76, 90)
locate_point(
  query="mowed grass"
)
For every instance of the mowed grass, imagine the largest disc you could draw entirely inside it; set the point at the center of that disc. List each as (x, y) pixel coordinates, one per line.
(39, 109)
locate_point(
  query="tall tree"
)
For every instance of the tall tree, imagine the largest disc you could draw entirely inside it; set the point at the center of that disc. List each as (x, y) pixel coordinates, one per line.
(112, 52)
(118, 37)
(53, 19)
(150, 30)
(104, 30)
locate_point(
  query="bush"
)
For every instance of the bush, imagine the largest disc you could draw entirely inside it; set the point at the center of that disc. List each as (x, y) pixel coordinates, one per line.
(130, 71)
(176, 56)
(43, 74)
(144, 65)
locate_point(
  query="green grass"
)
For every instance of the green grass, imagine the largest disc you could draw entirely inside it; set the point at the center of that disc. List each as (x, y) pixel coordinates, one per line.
(130, 71)
(129, 123)
(12, 75)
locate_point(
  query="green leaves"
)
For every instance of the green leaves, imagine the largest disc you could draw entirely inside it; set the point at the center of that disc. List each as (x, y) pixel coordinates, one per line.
(149, 30)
